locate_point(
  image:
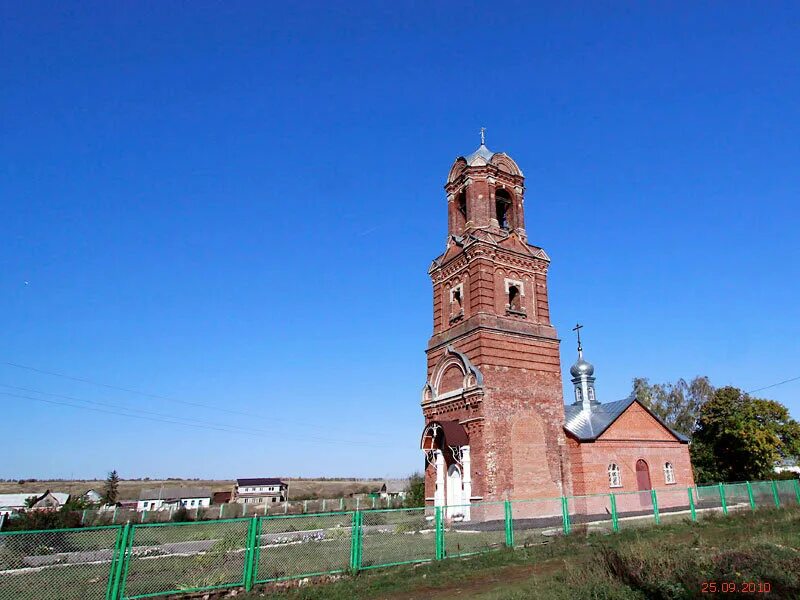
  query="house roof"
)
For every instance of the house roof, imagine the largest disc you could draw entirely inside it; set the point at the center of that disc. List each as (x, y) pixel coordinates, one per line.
(260, 481)
(222, 497)
(588, 425)
(174, 493)
(394, 486)
(18, 500)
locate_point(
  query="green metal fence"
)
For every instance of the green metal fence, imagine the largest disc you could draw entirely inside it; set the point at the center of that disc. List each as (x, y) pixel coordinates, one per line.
(148, 560)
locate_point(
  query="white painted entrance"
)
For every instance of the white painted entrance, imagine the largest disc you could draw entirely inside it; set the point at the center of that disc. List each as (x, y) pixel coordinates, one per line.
(455, 492)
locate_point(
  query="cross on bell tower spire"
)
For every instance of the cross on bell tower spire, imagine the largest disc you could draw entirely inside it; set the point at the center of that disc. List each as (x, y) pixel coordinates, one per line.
(483, 136)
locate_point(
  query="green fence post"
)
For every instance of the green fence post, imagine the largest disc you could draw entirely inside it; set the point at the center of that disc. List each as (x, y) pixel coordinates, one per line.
(775, 494)
(750, 496)
(797, 490)
(654, 497)
(722, 499)
(565, 515)
(614, 519)
(323, 505)
(114, 518)
(691, 503)
(355, 543)
(305, 506)
(249, 554)
(439, 537)
(113, 581)
(341, 503)
(509, 524)
(125, 560)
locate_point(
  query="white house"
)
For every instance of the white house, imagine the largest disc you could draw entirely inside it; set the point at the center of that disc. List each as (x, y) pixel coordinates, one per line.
(260, 490)
(787, 464)
(173, 497)
(394, 488)
(11, 503)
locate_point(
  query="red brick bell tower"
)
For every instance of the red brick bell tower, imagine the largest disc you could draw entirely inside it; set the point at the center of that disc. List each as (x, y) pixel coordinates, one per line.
(493, 402)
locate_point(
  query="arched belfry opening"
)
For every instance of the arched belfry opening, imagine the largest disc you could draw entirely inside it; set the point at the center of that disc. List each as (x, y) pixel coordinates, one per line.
(503, 210)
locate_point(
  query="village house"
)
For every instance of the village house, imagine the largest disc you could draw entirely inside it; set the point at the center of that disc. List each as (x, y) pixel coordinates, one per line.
(47, 500)
(173, 497)
(394, 488)
(260, 490)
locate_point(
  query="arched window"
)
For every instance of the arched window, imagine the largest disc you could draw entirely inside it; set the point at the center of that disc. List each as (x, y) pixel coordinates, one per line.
(462, 204)
(502, 203)
(514, 299)
(614, 478)
(669, 473)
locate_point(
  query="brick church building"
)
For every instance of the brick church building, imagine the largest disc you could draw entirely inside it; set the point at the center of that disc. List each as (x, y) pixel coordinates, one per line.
(496, 424)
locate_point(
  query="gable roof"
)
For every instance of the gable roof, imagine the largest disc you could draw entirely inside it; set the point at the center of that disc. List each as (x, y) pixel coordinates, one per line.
(394, 486)
(589, 425)
(174, 493)
(260, 481)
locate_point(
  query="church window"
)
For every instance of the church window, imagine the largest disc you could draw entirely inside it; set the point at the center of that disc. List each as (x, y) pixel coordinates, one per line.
(502, 204)
(514, 300)
(462, 204)
(591, 394)
(578, 394)
(614, 478)
(669, 473)
(456, 296)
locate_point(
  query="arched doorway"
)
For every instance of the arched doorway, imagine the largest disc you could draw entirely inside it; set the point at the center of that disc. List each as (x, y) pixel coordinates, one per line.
(643, 482)
(455, 491)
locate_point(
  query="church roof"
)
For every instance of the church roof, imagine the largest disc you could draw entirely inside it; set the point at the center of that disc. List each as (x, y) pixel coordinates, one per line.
(482, 152)
(588, 425)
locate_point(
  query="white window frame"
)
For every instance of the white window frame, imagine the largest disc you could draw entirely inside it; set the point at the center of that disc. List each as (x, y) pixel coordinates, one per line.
(614, 476)
(669, 473)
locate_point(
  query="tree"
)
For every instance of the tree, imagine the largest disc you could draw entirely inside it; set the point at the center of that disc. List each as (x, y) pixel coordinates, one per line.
(30, 501)
(111, 489)
(740, 438)
(678, 404)
(415, 491)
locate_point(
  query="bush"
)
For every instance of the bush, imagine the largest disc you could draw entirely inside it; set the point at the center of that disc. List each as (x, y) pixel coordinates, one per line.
(181, 515)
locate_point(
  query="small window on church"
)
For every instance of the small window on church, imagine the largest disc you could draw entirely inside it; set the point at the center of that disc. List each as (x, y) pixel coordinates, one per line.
(578, 395)
(514, 298)
(669, 473)
(502, 204)
(462, 204)
(455, 297)
(591, 394)
(614, 478)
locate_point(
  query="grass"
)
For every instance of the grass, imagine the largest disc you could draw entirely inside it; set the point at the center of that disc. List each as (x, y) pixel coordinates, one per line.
(670, 562)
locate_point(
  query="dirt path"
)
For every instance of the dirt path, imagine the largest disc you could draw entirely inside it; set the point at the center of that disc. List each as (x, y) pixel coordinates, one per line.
(483, 581)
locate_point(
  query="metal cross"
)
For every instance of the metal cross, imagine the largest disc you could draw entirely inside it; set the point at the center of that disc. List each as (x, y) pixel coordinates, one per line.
(577, 329)
(483, 136)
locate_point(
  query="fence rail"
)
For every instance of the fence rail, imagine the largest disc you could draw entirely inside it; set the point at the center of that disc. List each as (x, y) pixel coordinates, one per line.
(147, 560)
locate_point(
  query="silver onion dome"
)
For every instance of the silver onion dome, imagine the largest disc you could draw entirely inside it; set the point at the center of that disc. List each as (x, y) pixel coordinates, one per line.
(582, 367)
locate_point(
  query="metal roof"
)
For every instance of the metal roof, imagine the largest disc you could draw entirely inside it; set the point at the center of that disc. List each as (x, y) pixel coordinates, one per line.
(588, 425)
(260, 481)
(174, 493)
(483, 152)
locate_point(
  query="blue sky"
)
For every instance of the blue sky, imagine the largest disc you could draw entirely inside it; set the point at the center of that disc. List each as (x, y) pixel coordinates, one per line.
(231, 207)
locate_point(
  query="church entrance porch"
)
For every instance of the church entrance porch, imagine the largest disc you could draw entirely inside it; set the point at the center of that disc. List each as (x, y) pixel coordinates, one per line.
(446, 448)
(643, 483)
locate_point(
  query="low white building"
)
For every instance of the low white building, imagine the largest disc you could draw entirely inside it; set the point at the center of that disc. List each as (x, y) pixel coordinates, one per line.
(787, 464)
(11, 503)
(173, 497)
(394, 488)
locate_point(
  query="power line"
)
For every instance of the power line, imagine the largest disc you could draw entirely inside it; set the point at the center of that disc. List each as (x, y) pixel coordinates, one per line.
(162, 397)
(766, 387)
(168, 419)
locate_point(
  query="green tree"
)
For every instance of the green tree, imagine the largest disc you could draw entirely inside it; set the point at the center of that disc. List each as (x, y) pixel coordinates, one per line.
(30, 501)
(678, 404)
(111, 488)
(740, 438)
(415, 491)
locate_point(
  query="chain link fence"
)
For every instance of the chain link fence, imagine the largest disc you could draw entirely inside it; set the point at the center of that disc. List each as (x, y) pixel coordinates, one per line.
(58, 564)
(149, 560)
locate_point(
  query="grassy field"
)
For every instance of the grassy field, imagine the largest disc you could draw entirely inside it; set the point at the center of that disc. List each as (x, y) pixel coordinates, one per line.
(299, 489)
(669, 562)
